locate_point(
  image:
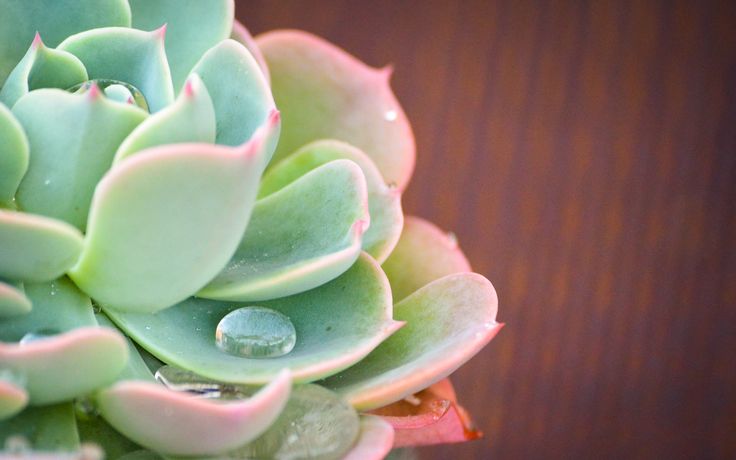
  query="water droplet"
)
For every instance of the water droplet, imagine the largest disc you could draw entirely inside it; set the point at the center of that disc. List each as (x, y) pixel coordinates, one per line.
(178, 379)
(391, 115)
(85, 408)
(255, 332)
(40, 334)
(413, 400)
(316, 423)
(114, 94)
(47, 182)
(452, 239)
(54, 289)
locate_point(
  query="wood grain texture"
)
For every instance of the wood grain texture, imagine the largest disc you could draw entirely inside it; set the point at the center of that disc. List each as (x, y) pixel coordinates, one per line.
(585, 155)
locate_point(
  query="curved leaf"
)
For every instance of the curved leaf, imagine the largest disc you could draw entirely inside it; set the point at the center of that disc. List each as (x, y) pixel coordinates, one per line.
(239, 91)
(50, 428)
(36, 248)
(72, 138)
(324, 93)
(42, 67)
(190, 119)
(192, 27)
(448, 322)
(128, 55)
(433, 417)
(384, 202)
(423, 254)
(54, 20)
(13, 302)
(166, 221)
(241, 35)
(13, 399)
(375, 441)
(299, 238)
(61, 367)
(330, 334)
(13, 154)
(181, 424)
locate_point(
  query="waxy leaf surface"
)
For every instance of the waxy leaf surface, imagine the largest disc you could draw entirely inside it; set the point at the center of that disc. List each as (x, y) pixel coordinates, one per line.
(13, 154)
(336, 325)
(50, 428)
(447, 322)
(36, 248)
(384, 202)
(54, 21)
(192, 27)
(72, 138)
(299, 238)
(165, 221)
(128, 55)
(13, 301)
(325, 93)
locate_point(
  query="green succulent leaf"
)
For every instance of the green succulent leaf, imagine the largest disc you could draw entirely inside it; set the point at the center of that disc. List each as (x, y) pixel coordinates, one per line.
(96, 430)
(384, 202)
(13, 154)
(299, 238)
(50, 428)
(424, 253)
(336, 324)
(324, 93)
(241, 35)
(192, 27)
(190, 119)
(54, 20)
(239, 92)
(36, 248)
(448, 322)
(128, 55)
(165, 221)
(80, 358)
(72, 138)
(42, 67)
(180, 424)
(13, 301)
(13, 398)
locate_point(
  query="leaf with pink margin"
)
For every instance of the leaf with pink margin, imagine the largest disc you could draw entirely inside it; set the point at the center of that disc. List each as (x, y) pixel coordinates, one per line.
(241, 35)
(299, 238)
(13, 398)
(63, 366)
(384, 202)
(165, 221)
(423, 254)
(431, 417)
(325, 93)
(375, 440)
(129, 55)
(448, 321)
(180, 424)
(13, 301)
(192, 27)
(337, 324)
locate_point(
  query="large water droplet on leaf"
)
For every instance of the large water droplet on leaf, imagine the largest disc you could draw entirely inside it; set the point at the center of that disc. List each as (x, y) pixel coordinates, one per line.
(178, 379)
(315, 424)
(255, 332)
(38, 335)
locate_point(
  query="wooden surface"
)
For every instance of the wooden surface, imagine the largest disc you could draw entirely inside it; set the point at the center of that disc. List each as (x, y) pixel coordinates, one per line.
(585, 155)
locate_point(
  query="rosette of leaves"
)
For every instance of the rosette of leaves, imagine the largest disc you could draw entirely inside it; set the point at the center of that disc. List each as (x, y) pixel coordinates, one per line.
(161, 169)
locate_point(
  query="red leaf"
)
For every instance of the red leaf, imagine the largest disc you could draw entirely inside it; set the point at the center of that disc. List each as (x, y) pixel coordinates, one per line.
(431, 416)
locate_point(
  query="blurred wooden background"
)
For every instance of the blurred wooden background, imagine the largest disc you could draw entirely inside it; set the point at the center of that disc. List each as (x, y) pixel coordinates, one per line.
(585, 155)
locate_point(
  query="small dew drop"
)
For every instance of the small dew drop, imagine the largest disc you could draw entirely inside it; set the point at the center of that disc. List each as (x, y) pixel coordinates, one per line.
(40, 334)
(148, 328)
(255, 332)
(391, 115)
(47, 182)
(54, 289)
(413, 400)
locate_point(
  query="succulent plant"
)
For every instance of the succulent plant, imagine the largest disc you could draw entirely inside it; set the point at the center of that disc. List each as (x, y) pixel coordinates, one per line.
(202, 246)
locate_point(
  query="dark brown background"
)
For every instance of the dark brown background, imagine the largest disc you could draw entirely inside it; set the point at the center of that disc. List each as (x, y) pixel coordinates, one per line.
(585, 155)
